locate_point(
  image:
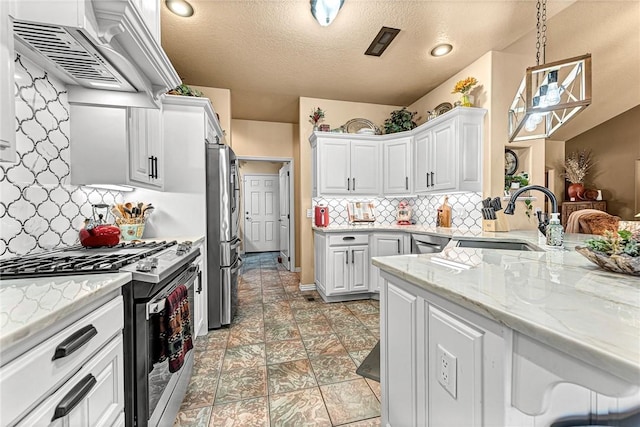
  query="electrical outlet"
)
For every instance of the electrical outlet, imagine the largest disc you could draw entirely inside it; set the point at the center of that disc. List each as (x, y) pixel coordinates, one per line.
(309, 213)
(447, 366)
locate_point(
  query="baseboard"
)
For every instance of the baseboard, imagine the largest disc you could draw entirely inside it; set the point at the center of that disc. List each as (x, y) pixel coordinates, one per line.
(309, 287)
(297, 269)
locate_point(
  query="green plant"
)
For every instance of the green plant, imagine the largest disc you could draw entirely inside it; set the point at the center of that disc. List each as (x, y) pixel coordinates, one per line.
(184, 90)
(615, 244)
(400, 121)
(522, 179)
(316, 116)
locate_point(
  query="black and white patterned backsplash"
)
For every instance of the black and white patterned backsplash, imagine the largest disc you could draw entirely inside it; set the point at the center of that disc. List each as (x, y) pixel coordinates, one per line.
(39, 209)
(465, 209)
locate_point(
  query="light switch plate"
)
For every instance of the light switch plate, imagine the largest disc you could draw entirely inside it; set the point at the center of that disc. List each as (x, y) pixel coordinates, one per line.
(446, 368)
(309, 213)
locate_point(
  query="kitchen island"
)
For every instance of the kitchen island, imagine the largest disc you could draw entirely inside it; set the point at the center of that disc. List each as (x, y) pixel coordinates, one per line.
(501, 337)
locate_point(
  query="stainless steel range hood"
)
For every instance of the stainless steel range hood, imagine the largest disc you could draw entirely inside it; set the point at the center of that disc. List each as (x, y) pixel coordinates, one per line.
(102, 49)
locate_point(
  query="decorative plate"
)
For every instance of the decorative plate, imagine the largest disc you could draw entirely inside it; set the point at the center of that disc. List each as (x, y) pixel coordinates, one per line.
(443, 108)
(590, 195)
(354, 125)
(617, 263)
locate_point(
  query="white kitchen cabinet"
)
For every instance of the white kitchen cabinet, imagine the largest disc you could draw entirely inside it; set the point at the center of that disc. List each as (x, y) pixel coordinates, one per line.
(37, 381)
(435, 159)
(200, 296)
(397, 168)
(344, 166)
(7, 89)
(348, 267)
(97, 390)
(385, 244)
(432, 363)
(448, 152)
(400, 355)
(116, 146)
(342, 265)
(146, 159)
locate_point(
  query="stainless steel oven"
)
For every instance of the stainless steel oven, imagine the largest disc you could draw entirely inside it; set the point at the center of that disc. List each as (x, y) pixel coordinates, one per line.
(160, 383)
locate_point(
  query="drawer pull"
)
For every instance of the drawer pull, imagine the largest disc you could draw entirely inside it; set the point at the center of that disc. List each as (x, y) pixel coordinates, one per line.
(349, 238)
(75, 396)
(75, 341)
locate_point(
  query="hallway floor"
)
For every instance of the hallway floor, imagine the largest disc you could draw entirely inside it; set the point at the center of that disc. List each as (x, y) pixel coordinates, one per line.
(288, 359)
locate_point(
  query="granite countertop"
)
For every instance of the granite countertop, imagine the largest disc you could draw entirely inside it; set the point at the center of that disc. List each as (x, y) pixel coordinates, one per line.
(29, 305)
(555, 296)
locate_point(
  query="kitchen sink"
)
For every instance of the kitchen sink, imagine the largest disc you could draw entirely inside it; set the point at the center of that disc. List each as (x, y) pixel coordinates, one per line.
(497, 244)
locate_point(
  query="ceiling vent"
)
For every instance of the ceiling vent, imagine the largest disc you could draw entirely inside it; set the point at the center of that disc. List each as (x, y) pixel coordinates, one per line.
(382, 41)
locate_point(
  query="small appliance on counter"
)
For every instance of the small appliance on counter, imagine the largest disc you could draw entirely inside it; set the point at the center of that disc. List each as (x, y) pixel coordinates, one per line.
(403, 214)
(321, 216)
(97, 232)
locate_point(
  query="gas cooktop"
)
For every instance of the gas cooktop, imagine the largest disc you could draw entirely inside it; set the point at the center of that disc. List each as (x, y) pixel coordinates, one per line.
(80, 260)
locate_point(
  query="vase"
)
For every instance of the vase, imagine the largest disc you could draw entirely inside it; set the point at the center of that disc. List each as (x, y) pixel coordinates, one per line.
(466, 100)
(315, 128)
(575, 191)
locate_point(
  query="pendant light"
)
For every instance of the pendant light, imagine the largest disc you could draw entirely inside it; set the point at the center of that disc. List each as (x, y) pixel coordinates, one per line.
(549, 94)
(325, 11)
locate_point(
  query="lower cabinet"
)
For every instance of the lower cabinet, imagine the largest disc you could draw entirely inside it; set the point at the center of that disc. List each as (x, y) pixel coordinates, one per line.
(92, 397)
(433, 364)
(73, 377)
(385, 244)
(341, 264)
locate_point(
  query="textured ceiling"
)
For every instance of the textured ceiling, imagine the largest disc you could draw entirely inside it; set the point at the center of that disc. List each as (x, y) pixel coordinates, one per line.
(269, 53)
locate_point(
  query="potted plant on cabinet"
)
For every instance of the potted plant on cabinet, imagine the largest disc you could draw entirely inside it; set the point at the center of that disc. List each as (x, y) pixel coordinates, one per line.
(576, 166)
(400, 121)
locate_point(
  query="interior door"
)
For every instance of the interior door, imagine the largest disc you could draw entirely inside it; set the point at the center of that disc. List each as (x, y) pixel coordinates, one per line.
(261, 208)
(285, 214)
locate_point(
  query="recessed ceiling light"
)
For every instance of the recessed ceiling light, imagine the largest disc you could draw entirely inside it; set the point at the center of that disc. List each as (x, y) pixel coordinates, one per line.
(441, 49)
(180, 7)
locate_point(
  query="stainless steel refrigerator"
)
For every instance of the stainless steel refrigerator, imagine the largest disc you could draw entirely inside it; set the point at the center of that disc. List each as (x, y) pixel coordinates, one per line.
(223, 260)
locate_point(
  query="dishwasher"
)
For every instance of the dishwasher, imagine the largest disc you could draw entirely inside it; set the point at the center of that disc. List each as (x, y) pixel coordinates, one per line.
(420, 244)
(428, 244)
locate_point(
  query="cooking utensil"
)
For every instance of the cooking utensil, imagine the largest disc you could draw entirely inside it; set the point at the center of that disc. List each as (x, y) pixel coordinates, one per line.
(116, 212)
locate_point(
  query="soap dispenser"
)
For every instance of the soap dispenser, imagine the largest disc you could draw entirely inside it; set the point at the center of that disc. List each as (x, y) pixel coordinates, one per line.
(555, 231)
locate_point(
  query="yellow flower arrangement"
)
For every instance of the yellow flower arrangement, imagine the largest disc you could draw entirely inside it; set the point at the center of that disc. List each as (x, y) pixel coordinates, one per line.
(464, 86)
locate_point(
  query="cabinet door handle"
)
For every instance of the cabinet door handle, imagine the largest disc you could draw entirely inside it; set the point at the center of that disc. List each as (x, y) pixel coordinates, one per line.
(199, 289)
(155, 167)
(348, 184)
(74, 342)
(75, 396)
(352, 256)
(354, 184)
(398, 246)
(406, 182)
(150, 166)
(432, 180)
(348, 238)
(427, 178)
(346, 260)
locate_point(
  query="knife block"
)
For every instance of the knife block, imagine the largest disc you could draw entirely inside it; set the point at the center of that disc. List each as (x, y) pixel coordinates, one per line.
(498, 224)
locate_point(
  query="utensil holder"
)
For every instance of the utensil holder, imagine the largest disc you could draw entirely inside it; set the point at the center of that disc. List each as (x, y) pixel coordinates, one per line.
(498, 224)
(131, 231)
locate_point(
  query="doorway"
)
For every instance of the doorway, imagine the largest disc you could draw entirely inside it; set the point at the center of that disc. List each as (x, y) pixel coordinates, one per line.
(268, 223)
(261, 213)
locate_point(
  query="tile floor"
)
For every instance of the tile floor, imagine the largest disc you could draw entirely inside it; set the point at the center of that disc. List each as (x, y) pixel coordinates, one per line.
(285, 360)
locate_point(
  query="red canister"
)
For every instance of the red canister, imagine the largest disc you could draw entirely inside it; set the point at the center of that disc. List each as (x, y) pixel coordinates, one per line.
(322, 216)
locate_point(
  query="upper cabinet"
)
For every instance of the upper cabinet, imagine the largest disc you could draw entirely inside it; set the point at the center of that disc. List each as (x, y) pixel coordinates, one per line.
(396, 171)
(448, 152)
(116, 146)
(150, 11)
(7, 97)
(146, 159)
(345, 166)
(444, 154)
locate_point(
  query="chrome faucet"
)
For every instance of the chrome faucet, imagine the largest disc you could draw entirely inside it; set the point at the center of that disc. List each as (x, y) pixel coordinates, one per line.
(542, 222)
